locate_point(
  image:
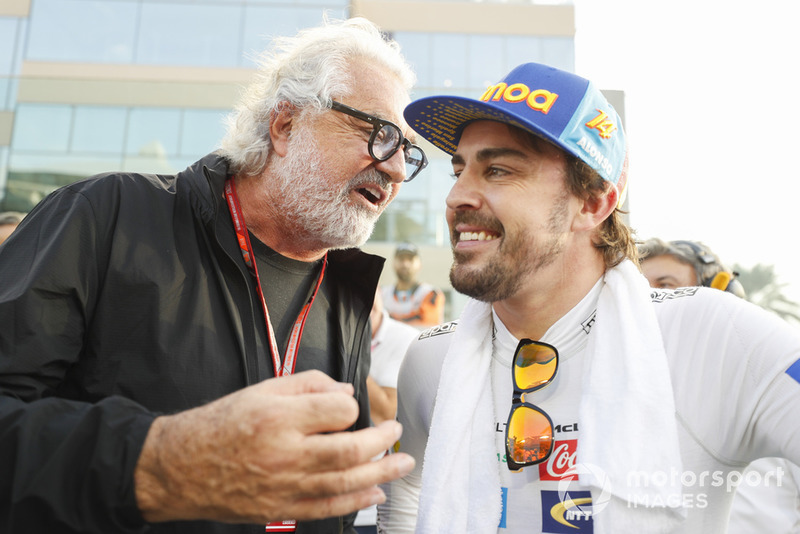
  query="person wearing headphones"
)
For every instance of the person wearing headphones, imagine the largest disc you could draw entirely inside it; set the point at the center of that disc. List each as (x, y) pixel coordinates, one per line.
(765, 507)
(674, 264)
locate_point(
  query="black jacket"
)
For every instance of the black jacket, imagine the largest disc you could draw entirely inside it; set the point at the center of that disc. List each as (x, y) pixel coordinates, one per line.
(122, 297)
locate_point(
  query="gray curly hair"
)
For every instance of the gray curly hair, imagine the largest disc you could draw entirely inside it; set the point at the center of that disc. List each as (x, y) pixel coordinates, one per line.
(304, 71)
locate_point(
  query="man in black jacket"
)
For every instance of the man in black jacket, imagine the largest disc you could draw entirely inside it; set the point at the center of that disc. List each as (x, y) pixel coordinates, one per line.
(182, 353)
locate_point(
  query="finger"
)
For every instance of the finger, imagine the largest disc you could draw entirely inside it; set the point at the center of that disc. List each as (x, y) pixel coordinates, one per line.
(344, 450)
(338, 505)
(313, 381)
(315, 413)
(357, 479)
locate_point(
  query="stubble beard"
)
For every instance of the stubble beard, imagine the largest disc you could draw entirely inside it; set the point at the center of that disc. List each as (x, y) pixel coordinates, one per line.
(322, 211)
(517, 258)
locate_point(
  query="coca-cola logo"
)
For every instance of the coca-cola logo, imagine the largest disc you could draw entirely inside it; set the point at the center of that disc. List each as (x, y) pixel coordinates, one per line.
(561, 463)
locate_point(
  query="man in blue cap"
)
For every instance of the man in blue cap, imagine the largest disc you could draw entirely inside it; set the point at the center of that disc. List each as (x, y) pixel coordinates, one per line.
(570, 396)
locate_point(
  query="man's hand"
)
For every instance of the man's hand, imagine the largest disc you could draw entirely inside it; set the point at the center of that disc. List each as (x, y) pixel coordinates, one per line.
(272, 451)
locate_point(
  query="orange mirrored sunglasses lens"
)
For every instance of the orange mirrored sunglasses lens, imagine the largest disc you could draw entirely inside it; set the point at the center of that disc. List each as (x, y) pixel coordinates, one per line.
(530, 435)
(534, 365)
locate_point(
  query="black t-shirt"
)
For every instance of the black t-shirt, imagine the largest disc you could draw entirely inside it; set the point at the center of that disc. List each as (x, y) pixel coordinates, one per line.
(287, 285)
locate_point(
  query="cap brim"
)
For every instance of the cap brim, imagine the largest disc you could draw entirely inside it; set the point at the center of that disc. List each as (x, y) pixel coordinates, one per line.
(442, 119)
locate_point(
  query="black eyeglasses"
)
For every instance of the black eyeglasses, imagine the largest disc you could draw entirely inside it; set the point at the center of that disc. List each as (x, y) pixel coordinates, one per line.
(529, 431)
(386, 139)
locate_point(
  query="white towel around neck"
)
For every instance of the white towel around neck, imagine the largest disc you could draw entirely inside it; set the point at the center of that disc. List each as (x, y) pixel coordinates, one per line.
(626, 416)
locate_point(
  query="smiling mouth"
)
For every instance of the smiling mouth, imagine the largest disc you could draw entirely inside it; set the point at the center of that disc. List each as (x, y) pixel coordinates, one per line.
(477, 236)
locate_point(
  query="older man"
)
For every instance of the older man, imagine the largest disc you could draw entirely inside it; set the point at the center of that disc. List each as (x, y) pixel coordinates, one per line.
(152, 324)
(570, 396)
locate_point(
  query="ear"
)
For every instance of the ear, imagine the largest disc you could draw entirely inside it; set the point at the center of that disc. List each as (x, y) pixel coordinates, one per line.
(280, 128)
(596, 209)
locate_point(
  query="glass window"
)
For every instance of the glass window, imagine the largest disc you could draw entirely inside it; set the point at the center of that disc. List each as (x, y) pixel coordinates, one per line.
(3, 175)
(449, 56)
(416, 48)
(559, 52)
(180, 34)
(523, 49)
(42, 127)
(329, 5)
(153, 131)
(5, 92)
(262, 24)
(156, 163)
(8, 92)
(98, 129)
(32, 176)
(60, 30)
(485, 60)
(8, 38)
(439, 181)
(202, 131)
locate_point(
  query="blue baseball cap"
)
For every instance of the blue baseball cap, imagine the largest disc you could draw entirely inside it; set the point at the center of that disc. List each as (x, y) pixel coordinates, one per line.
(564, 109)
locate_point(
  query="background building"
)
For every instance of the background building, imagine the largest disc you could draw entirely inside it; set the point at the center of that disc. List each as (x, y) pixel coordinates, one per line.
(88, 86)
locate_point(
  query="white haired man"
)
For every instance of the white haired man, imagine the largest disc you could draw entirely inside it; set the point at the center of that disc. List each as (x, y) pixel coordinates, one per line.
(570, 396)
(182, 353)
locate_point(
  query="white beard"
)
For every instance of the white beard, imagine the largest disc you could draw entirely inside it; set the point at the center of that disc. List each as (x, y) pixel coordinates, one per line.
(321, 210)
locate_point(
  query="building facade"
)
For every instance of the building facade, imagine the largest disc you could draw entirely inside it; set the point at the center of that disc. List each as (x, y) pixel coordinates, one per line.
(89, 86)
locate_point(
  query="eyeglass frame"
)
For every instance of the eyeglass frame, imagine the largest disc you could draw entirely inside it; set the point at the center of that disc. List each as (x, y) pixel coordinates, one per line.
(377, 125)
(517, 402)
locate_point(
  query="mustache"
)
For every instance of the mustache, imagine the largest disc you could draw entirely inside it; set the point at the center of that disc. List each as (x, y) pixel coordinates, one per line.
(372, 176)
(473, 218)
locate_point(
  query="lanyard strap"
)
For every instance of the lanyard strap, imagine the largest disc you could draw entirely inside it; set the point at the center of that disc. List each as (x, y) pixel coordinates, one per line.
(290, 358)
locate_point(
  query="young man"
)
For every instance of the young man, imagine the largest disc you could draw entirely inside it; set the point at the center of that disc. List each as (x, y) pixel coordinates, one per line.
(570, 396)
(152, 322)
(416, 303)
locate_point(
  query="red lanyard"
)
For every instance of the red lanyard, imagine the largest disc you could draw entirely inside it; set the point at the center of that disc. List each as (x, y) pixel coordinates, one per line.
(290, 358)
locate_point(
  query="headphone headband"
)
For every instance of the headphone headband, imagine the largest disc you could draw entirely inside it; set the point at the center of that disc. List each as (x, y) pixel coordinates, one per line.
(723, 280)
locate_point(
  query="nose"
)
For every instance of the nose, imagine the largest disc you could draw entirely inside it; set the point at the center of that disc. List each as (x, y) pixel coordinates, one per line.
(394, 167)
(464, 194)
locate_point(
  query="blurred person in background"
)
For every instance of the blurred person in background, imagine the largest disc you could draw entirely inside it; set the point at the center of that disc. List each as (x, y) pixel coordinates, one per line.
(9, 220)
(409, 300)
(390, 340)
(683, 263)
